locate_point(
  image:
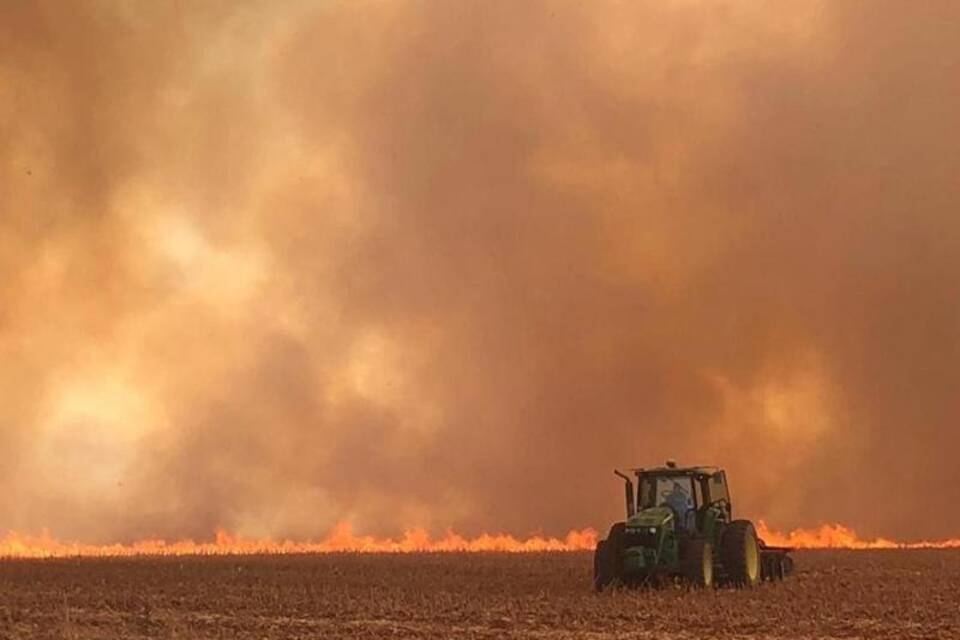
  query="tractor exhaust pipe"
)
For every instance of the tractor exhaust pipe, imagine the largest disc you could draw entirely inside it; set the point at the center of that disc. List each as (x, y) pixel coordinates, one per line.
(628, 493)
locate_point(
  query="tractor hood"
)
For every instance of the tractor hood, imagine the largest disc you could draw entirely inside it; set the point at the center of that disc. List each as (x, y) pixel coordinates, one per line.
(652, 517)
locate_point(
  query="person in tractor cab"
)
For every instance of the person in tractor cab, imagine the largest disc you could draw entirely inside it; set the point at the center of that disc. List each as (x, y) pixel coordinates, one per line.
(680, 501)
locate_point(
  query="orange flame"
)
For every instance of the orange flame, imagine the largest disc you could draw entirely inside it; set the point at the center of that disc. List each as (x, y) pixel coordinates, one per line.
(341, 539)
(837, 536)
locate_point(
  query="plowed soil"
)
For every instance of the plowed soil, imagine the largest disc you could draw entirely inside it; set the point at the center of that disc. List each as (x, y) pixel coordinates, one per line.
(834, 594)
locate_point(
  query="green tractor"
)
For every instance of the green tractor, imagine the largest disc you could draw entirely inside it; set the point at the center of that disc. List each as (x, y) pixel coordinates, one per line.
(681, 526)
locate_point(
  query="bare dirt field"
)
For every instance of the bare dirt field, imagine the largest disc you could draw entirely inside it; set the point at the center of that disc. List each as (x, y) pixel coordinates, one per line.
(835, 594)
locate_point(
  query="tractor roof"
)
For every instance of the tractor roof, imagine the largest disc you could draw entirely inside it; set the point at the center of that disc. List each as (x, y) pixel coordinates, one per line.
(671, 468)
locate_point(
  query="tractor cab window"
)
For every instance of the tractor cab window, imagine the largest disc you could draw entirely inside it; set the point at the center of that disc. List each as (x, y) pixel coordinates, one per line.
(648, 492)
(674, 491)
(698, 493)
(718, 487)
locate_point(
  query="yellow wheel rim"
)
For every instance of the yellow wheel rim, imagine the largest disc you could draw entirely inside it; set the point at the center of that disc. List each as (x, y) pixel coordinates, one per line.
(707, 566)
(753, 559)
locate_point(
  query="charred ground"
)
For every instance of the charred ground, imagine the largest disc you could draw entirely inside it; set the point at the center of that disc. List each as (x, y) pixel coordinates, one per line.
(846, 594)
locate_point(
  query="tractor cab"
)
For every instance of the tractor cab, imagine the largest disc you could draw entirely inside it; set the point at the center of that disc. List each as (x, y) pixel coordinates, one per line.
(696, 497)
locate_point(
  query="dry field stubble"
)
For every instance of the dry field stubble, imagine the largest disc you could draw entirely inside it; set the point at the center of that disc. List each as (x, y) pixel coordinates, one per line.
(868, 594)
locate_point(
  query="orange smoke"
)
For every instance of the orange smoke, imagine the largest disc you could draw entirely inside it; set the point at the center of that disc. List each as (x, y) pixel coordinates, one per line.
(341, 539)
(837, 536)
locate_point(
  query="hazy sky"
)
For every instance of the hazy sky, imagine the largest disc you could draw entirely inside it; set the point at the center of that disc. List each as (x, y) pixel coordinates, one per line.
(274, 265)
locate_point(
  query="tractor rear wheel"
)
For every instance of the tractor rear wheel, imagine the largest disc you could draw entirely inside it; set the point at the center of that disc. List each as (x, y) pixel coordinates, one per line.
(740, 554)
(698, 564)
(608, 558)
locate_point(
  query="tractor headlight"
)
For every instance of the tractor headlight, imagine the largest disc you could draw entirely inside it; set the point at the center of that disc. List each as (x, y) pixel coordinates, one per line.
(653, 531)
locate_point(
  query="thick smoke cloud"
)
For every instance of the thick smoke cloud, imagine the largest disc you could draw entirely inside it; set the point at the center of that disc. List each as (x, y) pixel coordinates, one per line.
(269, 267)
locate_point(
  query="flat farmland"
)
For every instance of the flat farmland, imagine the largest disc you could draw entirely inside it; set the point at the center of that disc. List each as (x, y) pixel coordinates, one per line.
(834, 594)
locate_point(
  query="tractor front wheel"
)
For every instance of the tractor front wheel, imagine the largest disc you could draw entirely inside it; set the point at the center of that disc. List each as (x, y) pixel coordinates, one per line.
(608, 558)
(698, 564)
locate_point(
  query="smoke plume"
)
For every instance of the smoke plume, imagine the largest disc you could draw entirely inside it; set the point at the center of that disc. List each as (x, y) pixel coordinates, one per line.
(274, 266)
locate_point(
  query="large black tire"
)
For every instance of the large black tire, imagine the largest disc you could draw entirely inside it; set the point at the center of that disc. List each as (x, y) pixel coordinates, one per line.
(601, 564)
(608, 558)
(697, 565)
(740, 554)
